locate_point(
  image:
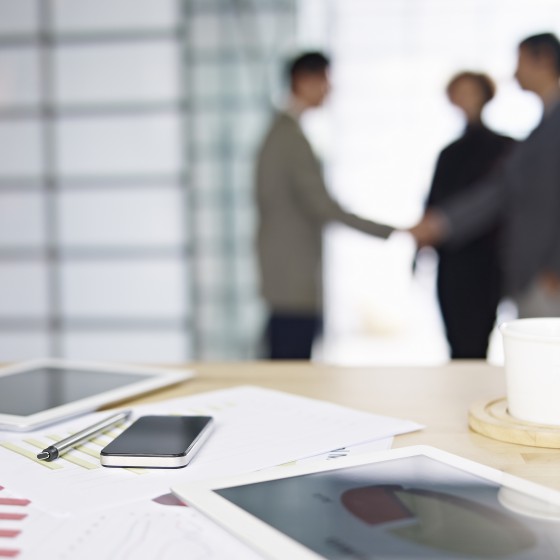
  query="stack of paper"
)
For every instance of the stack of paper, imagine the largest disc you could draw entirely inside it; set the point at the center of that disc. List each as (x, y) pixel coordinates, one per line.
(255, 429)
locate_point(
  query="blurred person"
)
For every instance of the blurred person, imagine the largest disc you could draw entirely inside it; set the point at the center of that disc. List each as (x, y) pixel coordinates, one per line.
(293, 207)
(468, 279)
(524, 194)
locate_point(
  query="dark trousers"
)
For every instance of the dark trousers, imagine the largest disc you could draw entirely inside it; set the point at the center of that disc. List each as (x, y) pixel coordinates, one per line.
(290, 336)
(468, 293)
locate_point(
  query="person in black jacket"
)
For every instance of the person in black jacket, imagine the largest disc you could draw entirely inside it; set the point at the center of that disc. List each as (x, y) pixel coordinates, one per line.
(469, 279)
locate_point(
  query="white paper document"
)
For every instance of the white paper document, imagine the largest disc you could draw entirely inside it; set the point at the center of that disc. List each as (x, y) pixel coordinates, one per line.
(21, 524)
(350, 450)
(255, 429)
(146, 530)
(161, 527)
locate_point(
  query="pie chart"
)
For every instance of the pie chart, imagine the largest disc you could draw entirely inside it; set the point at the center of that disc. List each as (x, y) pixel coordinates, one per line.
(439, 520)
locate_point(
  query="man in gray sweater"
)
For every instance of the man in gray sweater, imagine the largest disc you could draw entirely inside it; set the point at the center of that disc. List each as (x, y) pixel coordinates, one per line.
(524, 194)
(294, 206)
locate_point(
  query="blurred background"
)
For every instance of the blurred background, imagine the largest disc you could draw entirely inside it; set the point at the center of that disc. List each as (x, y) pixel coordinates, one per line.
(128, 130)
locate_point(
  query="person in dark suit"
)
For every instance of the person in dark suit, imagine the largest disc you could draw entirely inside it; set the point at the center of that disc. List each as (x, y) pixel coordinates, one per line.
(469, 280)
(523, 195)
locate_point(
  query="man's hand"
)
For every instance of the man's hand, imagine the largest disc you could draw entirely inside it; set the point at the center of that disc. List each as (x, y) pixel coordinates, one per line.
(431, 230)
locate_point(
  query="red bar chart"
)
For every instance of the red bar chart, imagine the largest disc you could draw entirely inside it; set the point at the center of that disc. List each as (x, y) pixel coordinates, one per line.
(12, 516)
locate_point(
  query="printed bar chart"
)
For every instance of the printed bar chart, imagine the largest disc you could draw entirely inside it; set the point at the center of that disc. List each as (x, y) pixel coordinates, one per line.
(12, 509)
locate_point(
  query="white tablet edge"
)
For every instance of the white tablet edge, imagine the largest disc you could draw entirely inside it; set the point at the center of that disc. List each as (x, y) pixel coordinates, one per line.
(159, 377)
(274, 544)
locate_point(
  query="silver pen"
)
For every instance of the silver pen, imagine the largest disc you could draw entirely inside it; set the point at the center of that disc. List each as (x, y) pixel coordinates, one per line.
(55, 450)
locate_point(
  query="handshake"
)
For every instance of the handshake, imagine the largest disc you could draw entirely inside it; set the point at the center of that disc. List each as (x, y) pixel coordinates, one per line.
(431, 230)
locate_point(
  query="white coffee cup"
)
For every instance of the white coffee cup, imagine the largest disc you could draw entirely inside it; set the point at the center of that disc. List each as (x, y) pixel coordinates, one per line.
(532, 364)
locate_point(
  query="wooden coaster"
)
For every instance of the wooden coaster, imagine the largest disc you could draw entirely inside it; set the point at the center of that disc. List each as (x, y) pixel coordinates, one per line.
(491, 419)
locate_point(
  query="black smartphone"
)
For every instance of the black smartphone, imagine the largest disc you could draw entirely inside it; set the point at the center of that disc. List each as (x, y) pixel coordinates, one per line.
(165, 442)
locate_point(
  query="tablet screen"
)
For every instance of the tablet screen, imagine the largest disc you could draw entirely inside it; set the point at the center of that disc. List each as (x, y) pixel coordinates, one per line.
(412, 507)
(43, 388)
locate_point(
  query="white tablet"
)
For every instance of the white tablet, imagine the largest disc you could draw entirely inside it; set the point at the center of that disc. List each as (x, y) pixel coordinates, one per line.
(413, 503)
(40, 392)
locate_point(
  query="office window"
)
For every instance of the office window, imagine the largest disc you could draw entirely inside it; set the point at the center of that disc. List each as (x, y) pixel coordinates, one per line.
(92, 179)
(94, 217)
(22, 153)
(386, 121)
(119, 145)
(126, 128)
(232, 52)
(22, 219)
(158, 346)
(23, 291)
(20, 345)
(18, 17)
(113, 73)
(208, 33)
(129, 290)
(19, 77)
(114, 15)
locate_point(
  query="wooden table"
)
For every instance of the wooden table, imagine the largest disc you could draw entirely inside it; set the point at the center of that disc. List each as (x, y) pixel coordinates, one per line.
(438, 397)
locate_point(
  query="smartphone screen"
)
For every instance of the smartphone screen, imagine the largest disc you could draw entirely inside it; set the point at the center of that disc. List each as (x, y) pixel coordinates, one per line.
(158, 442)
